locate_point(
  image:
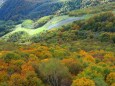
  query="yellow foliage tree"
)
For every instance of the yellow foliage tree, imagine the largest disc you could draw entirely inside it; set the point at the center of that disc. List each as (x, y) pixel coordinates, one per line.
(113, 84)
(111, 78)
(3, 76)
(87, 57)
(83, 82)
(17, 80)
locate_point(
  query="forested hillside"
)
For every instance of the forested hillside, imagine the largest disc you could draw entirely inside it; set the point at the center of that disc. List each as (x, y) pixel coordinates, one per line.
(57, 43)
(86, 22)
(21, 9)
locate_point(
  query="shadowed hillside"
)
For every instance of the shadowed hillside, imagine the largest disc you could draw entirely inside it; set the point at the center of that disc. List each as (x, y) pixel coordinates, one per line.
(21, 9)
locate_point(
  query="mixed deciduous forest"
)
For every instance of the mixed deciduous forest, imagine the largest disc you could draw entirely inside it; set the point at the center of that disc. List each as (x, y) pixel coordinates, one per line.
(79, 53)
(80, 63)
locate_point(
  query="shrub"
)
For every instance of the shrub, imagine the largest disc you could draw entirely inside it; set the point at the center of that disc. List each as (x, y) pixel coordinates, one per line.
(113, 38)
(11, 56)
(81, 34)
(42, 21)
(20, 36)
(28, 24)
(104, 37)
(100, 82)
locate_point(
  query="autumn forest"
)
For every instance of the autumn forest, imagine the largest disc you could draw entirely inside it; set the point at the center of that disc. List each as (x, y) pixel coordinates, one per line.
(70, 44)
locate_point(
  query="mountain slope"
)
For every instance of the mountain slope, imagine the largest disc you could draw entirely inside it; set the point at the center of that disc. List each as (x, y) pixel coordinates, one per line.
(20, 9)
(32, 27)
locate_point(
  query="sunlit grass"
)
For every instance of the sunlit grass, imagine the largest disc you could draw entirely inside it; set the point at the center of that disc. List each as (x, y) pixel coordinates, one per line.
(54, 21)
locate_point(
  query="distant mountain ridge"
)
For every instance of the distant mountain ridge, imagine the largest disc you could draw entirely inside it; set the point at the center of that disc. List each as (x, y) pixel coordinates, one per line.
(23, 9)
